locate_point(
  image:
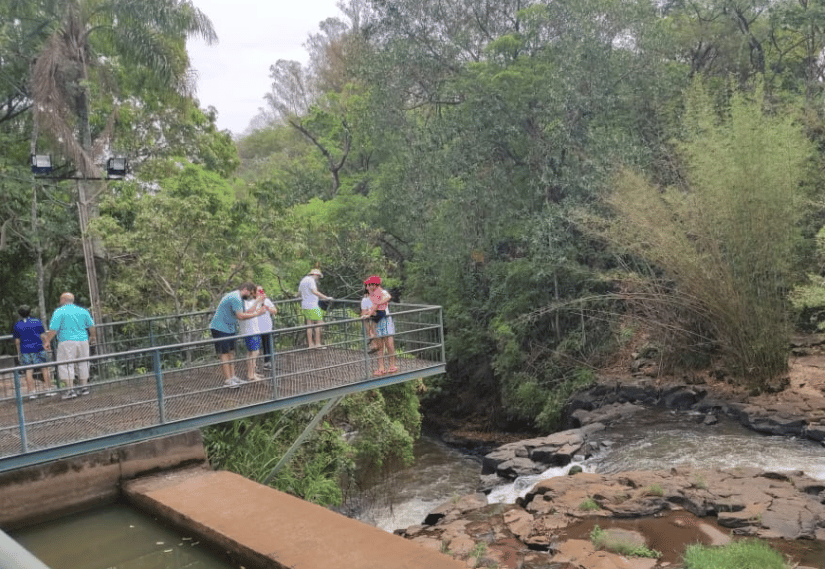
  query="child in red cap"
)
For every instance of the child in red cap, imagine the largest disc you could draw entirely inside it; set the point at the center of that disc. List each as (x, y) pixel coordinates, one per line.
(384, 327)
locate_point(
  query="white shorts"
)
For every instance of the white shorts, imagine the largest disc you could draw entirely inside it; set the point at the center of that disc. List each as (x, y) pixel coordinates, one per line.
(72, 350)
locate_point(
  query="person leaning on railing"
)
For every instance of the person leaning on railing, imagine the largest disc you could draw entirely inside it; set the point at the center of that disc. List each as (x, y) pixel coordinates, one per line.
(310, 295)
(224, 327)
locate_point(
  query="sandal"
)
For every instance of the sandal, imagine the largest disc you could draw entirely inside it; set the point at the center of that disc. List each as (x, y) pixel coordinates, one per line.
(393, 369)
(378, 372)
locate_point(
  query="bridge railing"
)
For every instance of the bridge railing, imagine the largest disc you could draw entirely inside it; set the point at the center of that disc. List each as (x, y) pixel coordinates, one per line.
(138, 333)
(172, 382)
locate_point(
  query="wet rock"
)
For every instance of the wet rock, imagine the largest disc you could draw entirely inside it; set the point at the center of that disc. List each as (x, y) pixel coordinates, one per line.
(647, 506)
(782, 425)
(488, 482)
(456, 508)
(681, 398)
(515, 467)
(608, 414)
(533, 456)
(815, 432)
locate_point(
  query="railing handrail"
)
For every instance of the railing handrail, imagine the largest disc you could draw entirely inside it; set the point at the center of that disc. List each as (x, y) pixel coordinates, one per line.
(197, 343)
(9, 337)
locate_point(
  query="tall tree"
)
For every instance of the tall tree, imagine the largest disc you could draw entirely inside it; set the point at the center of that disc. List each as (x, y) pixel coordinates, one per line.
(92, 43)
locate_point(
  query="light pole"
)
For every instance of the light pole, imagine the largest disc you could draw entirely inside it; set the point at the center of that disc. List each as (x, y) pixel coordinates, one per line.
(116, 170)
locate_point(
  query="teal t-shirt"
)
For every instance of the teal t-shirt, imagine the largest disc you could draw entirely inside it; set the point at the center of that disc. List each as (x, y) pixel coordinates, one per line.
(226, 317)
(72, 323)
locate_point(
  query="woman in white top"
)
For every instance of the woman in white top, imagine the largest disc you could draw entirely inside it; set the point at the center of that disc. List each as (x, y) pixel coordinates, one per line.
(253, 329)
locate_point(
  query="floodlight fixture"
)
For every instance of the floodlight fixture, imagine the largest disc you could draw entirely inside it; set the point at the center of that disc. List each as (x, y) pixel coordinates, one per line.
(116, 167)
(41, 164)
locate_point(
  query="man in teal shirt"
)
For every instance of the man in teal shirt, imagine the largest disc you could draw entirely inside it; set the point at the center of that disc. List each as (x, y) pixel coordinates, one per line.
(224, 327)
(75, 330)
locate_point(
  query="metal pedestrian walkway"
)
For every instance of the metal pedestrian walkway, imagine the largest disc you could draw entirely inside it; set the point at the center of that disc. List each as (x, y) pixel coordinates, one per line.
(175, 383)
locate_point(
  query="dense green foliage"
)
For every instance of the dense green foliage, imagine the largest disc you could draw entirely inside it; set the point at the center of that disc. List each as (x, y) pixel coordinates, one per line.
(561, 177)
(331, 465)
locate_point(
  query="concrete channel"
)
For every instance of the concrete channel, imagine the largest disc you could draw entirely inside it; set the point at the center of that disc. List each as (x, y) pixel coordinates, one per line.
(169, 478)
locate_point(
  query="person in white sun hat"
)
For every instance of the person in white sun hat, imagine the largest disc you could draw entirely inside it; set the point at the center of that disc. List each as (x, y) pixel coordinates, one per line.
(310, 295)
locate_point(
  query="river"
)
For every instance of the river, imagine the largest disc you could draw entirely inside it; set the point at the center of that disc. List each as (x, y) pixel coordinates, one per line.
(656, 440)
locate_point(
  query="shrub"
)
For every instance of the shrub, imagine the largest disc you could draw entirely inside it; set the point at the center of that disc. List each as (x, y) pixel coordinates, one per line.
(589, 505)
(720, 250)
(746, 554)
(605, 540)
(655, 490)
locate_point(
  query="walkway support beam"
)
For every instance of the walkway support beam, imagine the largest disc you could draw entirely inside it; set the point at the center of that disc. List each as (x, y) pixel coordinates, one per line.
(310, 428)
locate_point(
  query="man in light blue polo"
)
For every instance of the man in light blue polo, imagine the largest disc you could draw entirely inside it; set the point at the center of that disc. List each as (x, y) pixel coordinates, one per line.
(224, 327)
(75, 330)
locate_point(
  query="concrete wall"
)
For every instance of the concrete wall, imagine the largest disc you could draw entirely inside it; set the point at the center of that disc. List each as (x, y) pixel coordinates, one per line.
(47, 491)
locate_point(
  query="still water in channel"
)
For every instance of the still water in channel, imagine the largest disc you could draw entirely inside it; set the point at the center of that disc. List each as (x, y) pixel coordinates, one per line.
(115, 537)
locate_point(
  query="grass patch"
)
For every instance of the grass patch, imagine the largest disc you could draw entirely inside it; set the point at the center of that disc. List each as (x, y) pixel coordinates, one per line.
(478, 552)
(604, 540)
(589, 505)
(745, 554)
(655, 490)
(700, 482)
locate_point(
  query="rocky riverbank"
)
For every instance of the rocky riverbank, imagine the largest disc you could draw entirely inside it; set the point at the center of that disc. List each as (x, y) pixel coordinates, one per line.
(664, 510)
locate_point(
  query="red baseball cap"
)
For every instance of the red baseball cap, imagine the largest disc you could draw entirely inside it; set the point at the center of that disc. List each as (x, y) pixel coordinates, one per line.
(374, 279)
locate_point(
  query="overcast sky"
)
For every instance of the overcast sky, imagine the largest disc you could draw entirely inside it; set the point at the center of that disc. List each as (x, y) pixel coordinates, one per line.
(233, 75)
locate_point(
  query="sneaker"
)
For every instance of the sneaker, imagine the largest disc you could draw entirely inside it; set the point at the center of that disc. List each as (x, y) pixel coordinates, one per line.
(70, 394)
(33, 396)
(84, 391)
(50, 394)
(232, 383)
(239, 381)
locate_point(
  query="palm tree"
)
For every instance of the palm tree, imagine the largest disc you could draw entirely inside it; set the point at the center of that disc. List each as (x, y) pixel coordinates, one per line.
(92, 44)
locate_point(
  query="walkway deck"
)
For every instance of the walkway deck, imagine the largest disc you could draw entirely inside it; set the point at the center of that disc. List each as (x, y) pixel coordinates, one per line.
(169, 389)
(267, 528)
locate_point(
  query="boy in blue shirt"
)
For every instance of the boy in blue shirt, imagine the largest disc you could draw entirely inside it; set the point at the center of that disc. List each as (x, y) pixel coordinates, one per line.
(28, 340)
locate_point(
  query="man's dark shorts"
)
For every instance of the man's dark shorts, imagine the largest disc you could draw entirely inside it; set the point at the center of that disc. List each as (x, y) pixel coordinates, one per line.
(225, 341)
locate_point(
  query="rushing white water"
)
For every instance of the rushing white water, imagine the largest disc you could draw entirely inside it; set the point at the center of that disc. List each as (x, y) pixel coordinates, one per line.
(660, 440)
(657, 440)
(440, 473)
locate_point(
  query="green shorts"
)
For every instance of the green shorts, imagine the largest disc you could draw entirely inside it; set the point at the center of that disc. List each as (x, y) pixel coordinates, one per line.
(313, 314)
